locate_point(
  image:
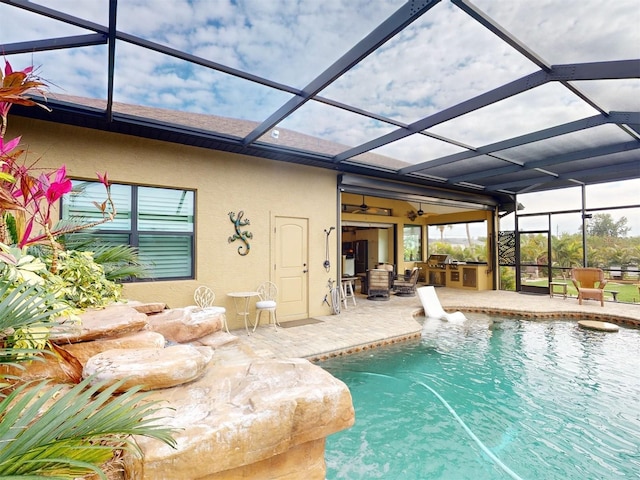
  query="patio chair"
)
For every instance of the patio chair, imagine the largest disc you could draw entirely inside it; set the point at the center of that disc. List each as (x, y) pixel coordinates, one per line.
(204, 298)
(387, 266)
(379, 283)
(268, 292)
(407, 288)
(590, 284)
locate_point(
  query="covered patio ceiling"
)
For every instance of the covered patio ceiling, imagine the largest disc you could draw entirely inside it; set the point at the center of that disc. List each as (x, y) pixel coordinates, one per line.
(491, 98)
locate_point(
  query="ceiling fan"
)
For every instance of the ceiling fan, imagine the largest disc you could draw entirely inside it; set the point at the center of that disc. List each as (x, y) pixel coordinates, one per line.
(413, 215)
(364, 208)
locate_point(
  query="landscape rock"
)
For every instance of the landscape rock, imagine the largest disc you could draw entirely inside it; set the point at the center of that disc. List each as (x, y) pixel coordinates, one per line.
(151, 368)
(184, 325)
(237, 415)
(83, 351)
(112, 321)
(147, 308)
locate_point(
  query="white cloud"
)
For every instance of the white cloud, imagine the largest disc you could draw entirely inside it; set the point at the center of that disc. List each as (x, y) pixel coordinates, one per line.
(444, 58)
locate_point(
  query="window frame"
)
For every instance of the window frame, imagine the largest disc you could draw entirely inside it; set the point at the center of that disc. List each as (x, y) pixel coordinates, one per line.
(420, 243)
(134, 233)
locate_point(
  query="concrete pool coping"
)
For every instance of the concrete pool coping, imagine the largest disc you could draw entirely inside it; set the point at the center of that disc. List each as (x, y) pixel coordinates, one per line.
(371, 324)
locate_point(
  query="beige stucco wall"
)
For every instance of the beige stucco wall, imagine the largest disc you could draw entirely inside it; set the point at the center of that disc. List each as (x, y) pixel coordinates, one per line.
(223, 182)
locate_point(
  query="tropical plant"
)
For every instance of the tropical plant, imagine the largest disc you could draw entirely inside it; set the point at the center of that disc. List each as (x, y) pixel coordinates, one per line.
(81, 281)
(507, 278)
(29, 198)
(56, 431)
(120, 262)
(47, 432)
(603, 225)
(52, 431)
(26, 314)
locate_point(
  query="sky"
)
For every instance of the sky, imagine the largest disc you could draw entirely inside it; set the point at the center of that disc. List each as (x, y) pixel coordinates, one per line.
(442, 59)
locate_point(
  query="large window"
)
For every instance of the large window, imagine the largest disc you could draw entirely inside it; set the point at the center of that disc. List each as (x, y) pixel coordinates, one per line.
(159, 222)
(464, 242)
(412, 235)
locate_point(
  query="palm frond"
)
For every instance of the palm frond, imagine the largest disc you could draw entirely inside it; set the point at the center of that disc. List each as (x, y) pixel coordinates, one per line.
(74, 433)
(22, 305)
(120, 262)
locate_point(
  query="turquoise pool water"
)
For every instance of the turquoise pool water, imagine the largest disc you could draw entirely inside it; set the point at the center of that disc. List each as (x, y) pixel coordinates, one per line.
(493, 400)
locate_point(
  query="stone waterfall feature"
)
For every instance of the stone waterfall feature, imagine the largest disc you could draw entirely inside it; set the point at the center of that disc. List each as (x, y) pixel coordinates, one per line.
(236, 414)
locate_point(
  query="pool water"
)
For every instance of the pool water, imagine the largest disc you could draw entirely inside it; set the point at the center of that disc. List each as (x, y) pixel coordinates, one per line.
(493, 399)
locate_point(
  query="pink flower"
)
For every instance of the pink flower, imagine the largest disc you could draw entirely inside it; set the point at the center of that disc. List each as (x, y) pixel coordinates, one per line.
(6, 147)
(103, 179)
(59, 187)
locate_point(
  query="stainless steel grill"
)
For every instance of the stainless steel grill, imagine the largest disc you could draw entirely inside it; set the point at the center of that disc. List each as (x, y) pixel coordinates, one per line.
(438, 261)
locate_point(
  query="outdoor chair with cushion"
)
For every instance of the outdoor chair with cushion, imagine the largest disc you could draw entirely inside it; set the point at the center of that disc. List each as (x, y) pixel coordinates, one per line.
(387, 266)
(268, 292)
(407, 288)
(590, 283)
(379, 284)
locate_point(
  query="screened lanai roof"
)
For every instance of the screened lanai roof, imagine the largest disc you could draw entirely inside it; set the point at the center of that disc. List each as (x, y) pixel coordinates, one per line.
(491, 97)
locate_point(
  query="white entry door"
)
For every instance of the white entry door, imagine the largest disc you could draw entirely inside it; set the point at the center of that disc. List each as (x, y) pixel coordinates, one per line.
(291, 267)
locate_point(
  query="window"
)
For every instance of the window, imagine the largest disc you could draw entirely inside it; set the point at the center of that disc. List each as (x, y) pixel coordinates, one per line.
(464, 242)
(159, 222)
(412, 237)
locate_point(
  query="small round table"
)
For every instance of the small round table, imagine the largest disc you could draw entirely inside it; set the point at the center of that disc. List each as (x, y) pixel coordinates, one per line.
(244, 310)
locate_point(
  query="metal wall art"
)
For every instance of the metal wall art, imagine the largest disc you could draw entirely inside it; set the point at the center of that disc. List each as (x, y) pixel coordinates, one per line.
(241, 235)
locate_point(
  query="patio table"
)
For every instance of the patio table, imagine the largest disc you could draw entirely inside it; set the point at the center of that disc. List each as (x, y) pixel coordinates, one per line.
(241, 302)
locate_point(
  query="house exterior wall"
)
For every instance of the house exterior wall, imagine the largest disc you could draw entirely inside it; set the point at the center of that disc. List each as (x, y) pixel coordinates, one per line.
(223, 182)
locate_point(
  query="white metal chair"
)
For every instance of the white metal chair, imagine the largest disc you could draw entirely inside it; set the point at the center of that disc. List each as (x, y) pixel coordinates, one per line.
(204, 298)
(268, 292)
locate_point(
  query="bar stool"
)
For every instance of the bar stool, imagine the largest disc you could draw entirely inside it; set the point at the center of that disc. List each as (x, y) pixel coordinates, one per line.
(347, 291)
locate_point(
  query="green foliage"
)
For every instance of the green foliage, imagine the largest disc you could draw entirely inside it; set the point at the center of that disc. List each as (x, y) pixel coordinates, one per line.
(508, 279)
(602, 225)
(12, 231)
(82, 282)
(25, 318)
(566, 250)
(474, 253)
(47, 432)
(120, 262)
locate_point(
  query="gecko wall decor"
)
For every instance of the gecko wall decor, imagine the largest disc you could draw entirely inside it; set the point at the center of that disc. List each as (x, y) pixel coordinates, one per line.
(241, 235)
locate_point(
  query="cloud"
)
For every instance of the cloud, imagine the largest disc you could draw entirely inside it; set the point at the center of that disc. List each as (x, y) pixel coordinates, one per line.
(444, 58)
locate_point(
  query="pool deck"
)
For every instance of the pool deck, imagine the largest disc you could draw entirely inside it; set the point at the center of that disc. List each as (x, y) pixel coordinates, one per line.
(371, 324)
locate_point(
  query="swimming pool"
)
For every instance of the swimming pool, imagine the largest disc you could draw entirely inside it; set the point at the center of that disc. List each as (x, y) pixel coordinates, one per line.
(493, 399)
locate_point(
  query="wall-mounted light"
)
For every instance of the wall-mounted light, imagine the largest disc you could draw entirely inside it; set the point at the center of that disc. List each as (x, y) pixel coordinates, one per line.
(275, 134)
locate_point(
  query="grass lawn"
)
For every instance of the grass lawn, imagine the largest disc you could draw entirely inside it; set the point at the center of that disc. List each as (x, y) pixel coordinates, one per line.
(628, 293)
